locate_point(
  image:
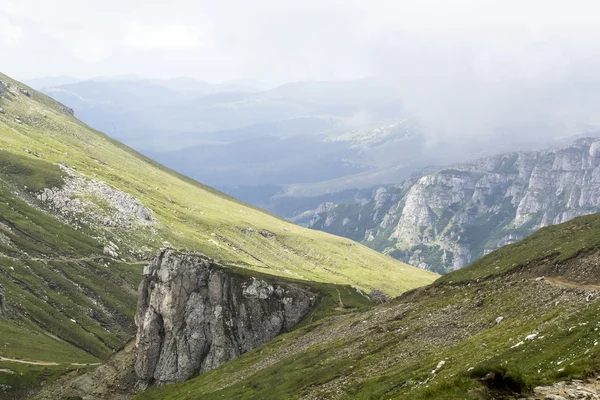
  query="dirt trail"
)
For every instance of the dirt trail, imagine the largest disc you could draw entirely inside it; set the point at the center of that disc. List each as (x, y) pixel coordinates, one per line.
(563, 283)
(67, 259)
(44, 363)
(341, 305)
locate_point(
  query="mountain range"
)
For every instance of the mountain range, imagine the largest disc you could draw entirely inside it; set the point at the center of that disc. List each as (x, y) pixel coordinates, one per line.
(81, 214)
(234, 302)
(446, 219)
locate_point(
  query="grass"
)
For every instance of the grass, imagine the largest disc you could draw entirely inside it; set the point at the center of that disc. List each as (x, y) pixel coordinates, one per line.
(190, 212)
(69, 303)
(390, 351)
(556, 242)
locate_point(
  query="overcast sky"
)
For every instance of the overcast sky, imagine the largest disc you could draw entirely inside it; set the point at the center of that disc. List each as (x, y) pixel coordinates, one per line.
(285, 40)
(451, 59)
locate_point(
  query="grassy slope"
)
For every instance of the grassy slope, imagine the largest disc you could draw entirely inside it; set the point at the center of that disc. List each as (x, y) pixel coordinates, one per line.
(391, 350)
(192, 212)
(55, 274)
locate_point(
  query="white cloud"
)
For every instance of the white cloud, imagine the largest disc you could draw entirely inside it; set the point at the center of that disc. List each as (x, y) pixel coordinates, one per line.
(90, 49)
(148, 37)
(10, 34)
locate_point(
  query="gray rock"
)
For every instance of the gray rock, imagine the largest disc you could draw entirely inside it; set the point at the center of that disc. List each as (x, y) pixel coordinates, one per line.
(377, 296)
(67, 110)
(2, 300)
(194, 315)
(447, 219)
(103, 205)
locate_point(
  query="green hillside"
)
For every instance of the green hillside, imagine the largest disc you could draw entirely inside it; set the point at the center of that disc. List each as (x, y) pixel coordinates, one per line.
(524, 316)
(73, 242)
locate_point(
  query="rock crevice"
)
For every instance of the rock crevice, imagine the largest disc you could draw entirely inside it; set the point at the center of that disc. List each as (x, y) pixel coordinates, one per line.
(194, 315)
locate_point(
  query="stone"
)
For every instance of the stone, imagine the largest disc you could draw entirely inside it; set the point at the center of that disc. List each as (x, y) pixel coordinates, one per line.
(378, 296)
(194, 315)
(2, 300)
(431, 219)
(119, 209)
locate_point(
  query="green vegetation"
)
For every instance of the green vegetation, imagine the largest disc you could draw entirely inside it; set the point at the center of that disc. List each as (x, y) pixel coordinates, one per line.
(554, 243)
(548, 332)
(32, 174)
(70, 303)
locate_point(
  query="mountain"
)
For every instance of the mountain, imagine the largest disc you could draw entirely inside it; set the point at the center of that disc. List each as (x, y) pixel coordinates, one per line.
(519, 323)
(80, 216)
(310, 138)
(446, 219)
(51, 81)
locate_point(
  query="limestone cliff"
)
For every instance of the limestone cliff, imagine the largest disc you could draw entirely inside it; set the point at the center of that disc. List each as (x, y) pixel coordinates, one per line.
(449, 218)
(194, 315)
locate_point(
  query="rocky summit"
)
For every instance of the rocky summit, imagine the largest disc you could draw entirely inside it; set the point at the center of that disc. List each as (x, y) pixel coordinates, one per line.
(194, 315)
(444, 220)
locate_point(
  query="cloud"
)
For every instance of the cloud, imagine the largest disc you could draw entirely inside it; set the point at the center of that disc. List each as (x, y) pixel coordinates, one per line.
(467, 68)
(149, 37)
(10, 34)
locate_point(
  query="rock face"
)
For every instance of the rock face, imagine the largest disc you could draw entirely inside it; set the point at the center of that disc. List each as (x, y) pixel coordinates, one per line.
(2, 300)
(95, 202)
(194, 315)
(447, 219)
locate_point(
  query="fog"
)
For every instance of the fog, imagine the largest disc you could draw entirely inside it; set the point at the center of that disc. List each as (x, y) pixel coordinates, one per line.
(470, 69)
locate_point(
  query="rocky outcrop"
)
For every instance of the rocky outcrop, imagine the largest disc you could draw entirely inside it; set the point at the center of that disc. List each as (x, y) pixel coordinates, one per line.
(2, 300)
(449, 218)
(194, 315)
(95, 203)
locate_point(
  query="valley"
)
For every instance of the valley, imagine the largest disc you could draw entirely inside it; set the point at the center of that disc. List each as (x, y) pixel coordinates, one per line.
(82, 214)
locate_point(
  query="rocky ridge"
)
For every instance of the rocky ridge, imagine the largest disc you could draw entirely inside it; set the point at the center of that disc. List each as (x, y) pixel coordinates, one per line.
(445, 220)
(194, 315)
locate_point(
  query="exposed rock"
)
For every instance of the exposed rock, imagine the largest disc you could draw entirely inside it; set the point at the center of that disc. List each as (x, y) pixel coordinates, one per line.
(568, 390)
(194, 315)
(3, 88)
(447, 219)
(67, 110)
(267, 234)
(111, 250)
(25, 92)
(2, 300)
(377, 296)
(95, 202)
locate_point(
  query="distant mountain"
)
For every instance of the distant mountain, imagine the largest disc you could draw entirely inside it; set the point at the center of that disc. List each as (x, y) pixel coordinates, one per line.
(51, 81)
(447, 219)
(81, 214)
